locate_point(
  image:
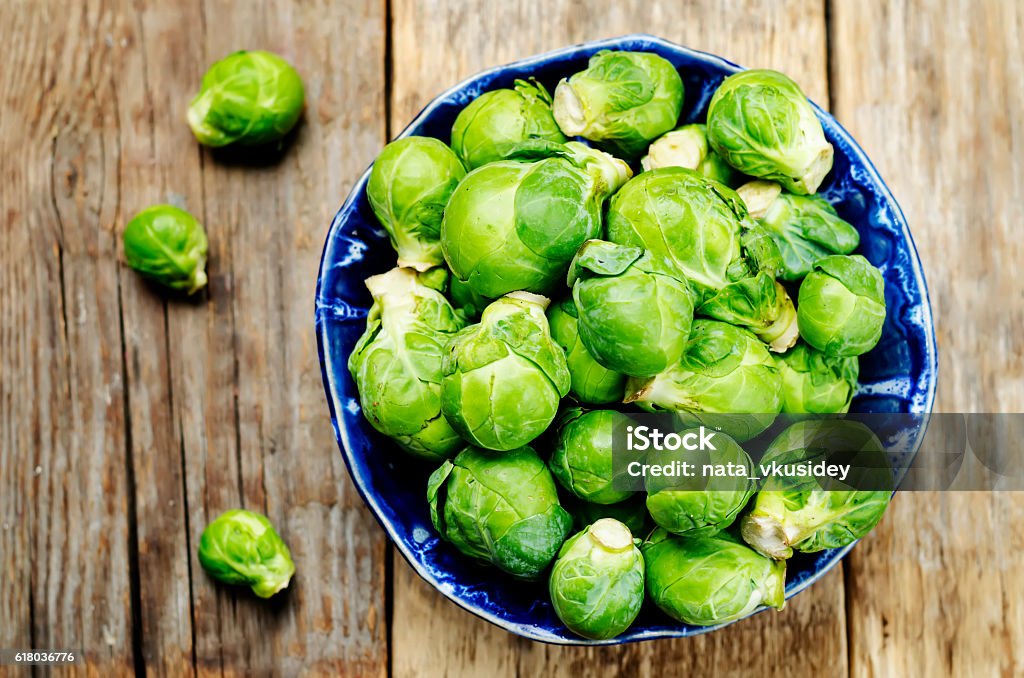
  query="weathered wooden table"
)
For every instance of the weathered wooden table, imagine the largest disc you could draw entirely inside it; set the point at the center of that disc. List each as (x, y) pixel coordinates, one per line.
(128, 421)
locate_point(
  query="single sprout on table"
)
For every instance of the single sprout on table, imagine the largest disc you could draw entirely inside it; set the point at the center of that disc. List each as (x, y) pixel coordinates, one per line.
(841, 306)
(514, 225)
(242, 547)
(701, 505)
(591, 382)
(396, 364)
(582, 457)
(502, 122)
(762, 124)
(622, 101)
(759, 304)
(634, 311)
(710, 580)
(802, 513)
(816, 383)
(725, 379)
(248, 98)
(687, 147)
(167, 245)
(597, 582)
(504, 377)
(499, 508)
(410, 184)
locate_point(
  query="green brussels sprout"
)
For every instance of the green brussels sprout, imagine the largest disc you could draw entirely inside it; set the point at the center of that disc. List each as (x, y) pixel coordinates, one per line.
(761, 305)
(242, 547)
(816, 383)
(515, 226)
(634, 311)
(710, 580)
(396, 364)
(591, 382)
(684, 218)
(504, 377)
(725, 379)
(582, 459)
(841, 306)
(167, 245)
(687, 146)
(799, 511)
(465, 300)
(500, 508)
(622, 101)
(704, 504)
(247, 98)
(502, 122)
(632, 513)
(804, 228)
(409, 186)
(761, 123)
(597, 582)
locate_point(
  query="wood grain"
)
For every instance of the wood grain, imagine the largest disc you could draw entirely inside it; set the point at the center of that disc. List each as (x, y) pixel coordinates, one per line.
(931, 90)
(788, 37)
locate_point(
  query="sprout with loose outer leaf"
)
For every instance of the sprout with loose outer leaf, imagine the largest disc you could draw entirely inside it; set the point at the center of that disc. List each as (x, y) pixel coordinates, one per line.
(167, 245)
(816, 383)
(591, 382)
(597, 582)
(762, 124)
(582, 459)
(760, 304)
(248, 98)
(710, 580)
(634, 311)
(725, 379)
(410, 184)
(500, 508)
(793, 511)
(703, 504)
(841, 306)
(515, 225)
(687, 146)
(622, 101)
(504, 377)
(242, 547)
(396, 364)
(502, 122)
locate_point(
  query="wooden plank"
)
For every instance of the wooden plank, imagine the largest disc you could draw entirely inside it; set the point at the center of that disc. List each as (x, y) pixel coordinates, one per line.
(432, 636)
(931, 91)
(65, 504)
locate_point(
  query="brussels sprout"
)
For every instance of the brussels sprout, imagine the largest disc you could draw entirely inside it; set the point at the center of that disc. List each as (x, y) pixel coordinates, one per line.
(500, 508)
(591, 382)
(582, 459)
(515, 226)
(816, 383)
(247, 98)
(465, 300)
(622, 101)
(634, 312)
(409, 186)
(597, 582)
(759, 304)
(680, 216)
(710, 580)
(797, 511)
(504, 377)
(725, 379)
(167, 245)
(396, 364)
(687, 146)
(704, 504)
(502, 122)
(804, 228)
(841, 306)
(761, 123)
(242, 547)
(632, 513)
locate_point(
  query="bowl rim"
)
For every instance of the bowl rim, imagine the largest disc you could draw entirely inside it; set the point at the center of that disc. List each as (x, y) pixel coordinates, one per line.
(929, 368)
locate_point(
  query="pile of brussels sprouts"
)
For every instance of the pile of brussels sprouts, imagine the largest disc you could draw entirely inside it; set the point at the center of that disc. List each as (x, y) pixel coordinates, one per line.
(569, 259)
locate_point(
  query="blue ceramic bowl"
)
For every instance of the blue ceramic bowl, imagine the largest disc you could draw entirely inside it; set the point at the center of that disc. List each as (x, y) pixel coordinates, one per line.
(897, 376)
